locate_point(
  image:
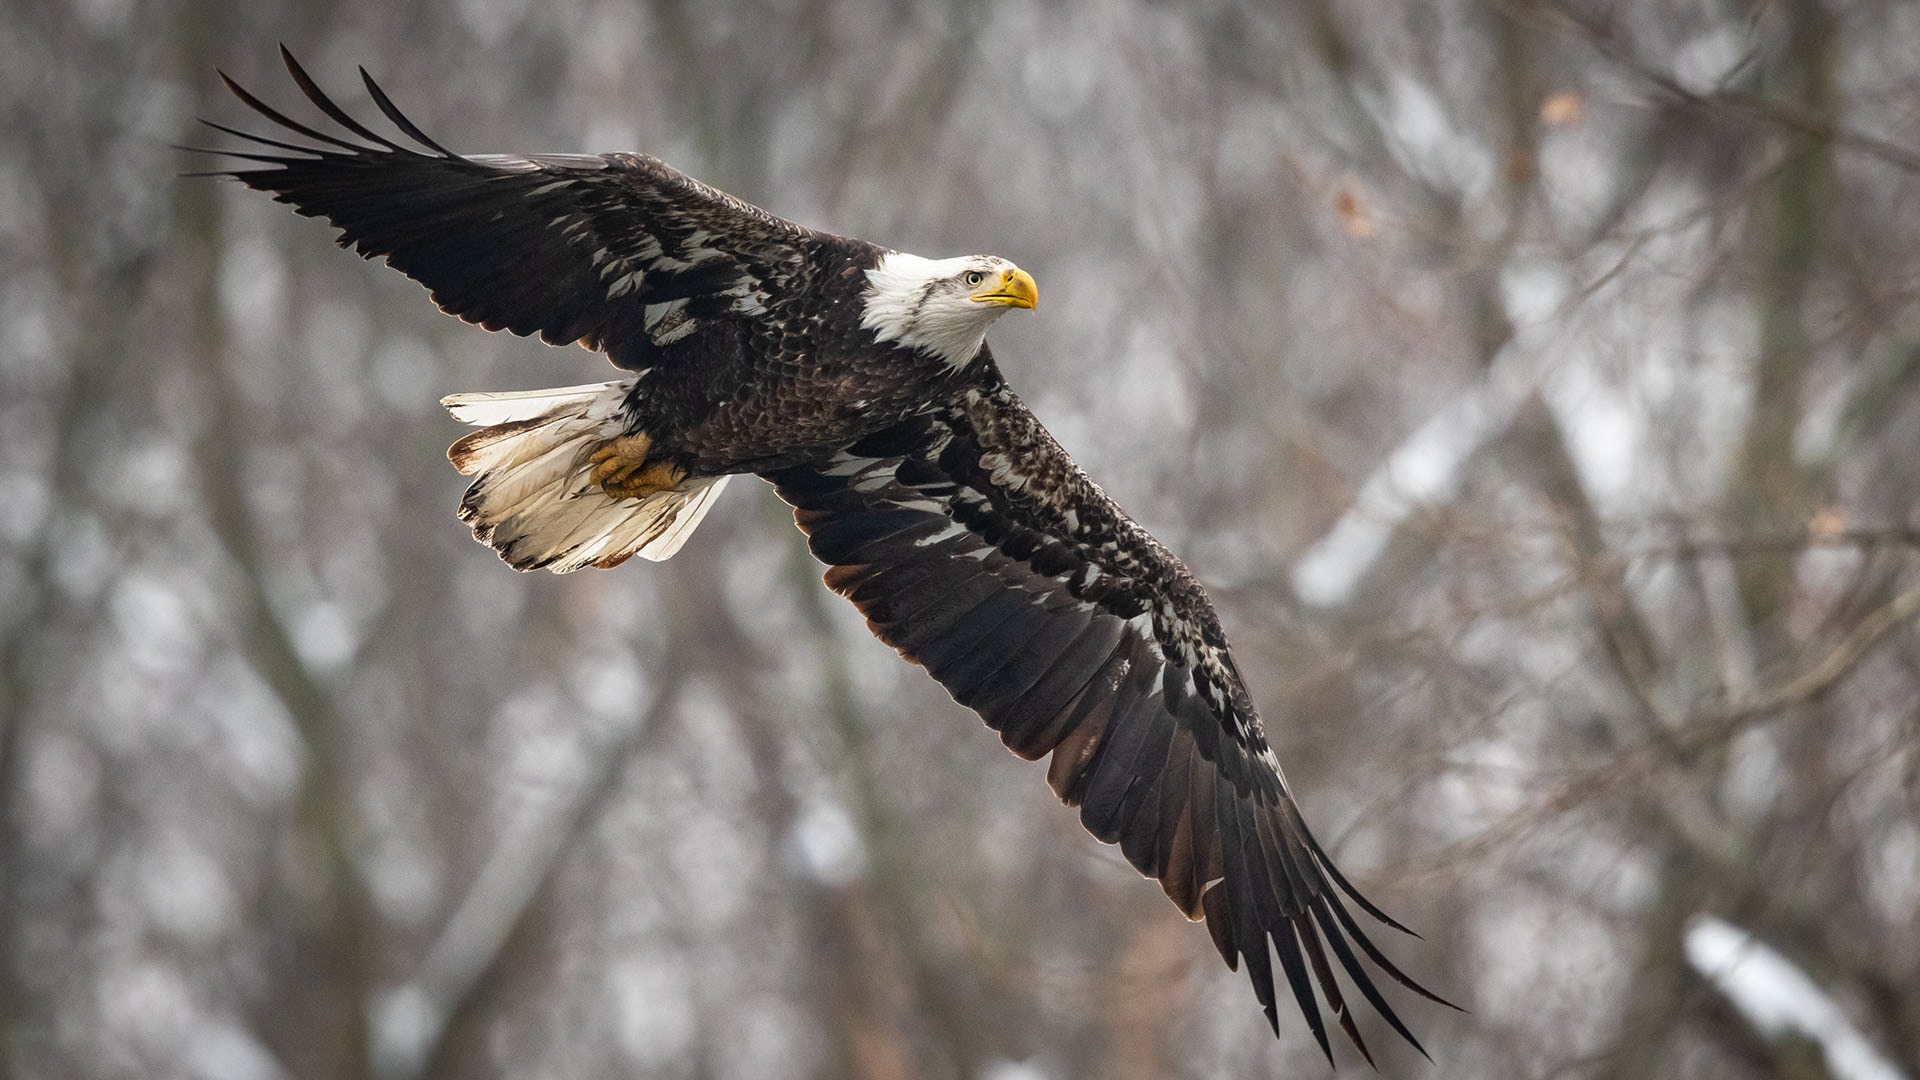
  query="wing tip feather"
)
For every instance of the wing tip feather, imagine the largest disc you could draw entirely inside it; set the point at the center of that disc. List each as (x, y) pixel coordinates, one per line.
(1255, 875)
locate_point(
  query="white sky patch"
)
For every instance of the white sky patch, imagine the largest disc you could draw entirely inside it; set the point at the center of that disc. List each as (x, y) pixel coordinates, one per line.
(404, 1021)
(1489, 781)
(148, 1004)
(261, 754)
(1605, 430)
(159, 630)
(1060, 75)
(223, 1049)
(1817, 438)
(404, 371)
(335, 335)
(828, 845)
(711, 856)
(185, 891)
(1537, 959)
(1150, 387)
(151, 478)
(1533, 291)
(1751, 783)
(1778, 998)
(1015, 1070)
(324, 636)
(607, 131)
(61, 781)
(1893, 873)
(402, 877)
(609, 683)
(1577, 175)
(1429, 142)
(27, 337)
(253, 282)
(654, 1010)
(1706, 61)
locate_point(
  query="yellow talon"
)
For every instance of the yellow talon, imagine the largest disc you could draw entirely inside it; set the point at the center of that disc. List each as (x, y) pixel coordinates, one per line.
(618, 457)
(620, 468)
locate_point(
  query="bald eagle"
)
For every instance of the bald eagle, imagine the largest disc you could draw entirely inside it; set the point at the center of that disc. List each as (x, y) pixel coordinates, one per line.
(857, 381)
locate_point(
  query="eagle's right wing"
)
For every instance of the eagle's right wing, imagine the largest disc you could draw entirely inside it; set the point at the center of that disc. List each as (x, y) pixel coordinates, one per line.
(598, 249)
(976, 548)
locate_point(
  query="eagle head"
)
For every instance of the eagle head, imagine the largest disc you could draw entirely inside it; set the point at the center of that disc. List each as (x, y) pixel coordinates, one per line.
(942, 306)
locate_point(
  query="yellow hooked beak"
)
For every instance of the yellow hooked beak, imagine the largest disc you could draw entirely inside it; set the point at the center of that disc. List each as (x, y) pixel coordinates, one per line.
(1014, 289)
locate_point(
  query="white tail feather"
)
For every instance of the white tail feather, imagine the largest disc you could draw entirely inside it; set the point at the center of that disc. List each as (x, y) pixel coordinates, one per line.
(509, 405)
(533, 499)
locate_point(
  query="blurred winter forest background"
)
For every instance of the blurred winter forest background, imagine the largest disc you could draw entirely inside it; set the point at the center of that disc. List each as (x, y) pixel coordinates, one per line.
(1536, 385)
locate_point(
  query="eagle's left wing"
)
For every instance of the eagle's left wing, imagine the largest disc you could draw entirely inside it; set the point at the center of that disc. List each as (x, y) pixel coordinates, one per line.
(976, 548)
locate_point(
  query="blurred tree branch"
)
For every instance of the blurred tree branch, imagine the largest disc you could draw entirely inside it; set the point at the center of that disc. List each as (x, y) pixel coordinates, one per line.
(333, 925)
(414, 1021)
(1804, 119)
(1812, 683)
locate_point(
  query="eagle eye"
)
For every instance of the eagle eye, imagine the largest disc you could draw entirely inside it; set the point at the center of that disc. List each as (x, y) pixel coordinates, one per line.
(973, 277)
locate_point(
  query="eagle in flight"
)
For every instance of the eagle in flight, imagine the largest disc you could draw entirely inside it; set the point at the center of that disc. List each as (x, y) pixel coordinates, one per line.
(858, 382)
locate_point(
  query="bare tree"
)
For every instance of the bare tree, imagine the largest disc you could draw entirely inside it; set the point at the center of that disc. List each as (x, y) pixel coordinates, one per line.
(1534, 384)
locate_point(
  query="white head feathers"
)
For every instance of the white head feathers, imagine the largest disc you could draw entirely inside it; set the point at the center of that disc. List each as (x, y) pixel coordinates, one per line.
(942, 306)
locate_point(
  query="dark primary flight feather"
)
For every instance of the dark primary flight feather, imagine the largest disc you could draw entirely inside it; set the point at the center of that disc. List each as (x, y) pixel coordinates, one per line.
(960, 529)
(530, 244)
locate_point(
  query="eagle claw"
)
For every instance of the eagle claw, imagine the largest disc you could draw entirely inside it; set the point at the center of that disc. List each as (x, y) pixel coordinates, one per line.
(621, 469)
